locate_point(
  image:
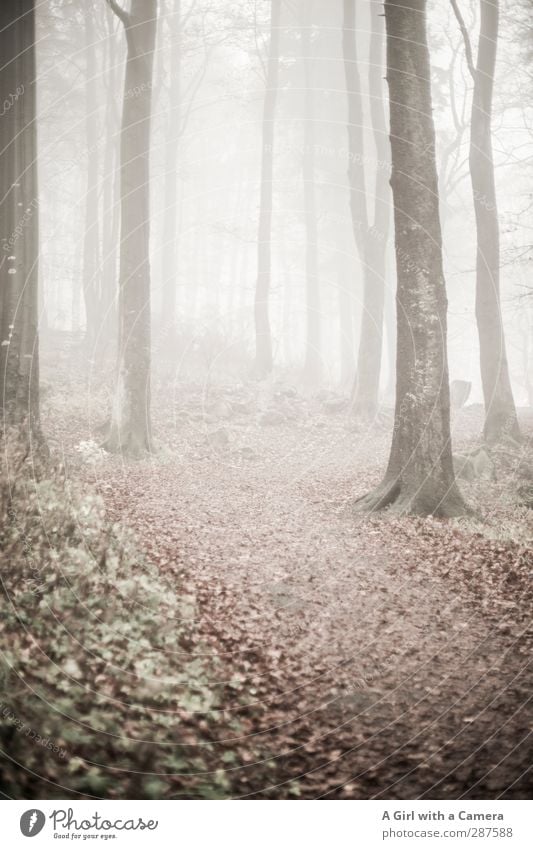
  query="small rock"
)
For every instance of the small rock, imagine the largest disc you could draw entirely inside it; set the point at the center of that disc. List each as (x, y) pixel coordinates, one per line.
(335, 405)
(271, 417)
(219, 438)
(221, 410)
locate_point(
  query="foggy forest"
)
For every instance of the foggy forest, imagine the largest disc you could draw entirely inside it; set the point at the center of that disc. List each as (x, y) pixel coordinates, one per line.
(266, 368)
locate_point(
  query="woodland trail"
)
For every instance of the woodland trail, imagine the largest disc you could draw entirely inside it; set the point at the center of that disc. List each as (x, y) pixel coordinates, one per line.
(361, 658)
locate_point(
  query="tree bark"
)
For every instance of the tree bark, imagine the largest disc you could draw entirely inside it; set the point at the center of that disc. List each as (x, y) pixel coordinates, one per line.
(500, 413)
(419, 479)
(19, 350)
(263, 337)
(130, 430)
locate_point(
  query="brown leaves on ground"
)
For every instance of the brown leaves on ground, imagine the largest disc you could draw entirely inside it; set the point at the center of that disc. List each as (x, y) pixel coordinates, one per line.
(355, 658)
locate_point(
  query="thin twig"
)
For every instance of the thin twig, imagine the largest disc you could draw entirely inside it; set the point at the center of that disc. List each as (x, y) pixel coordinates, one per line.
(466, 39)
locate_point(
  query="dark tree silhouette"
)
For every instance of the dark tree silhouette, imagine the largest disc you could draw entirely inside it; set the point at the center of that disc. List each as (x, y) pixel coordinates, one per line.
(19, 357)
(420, 478)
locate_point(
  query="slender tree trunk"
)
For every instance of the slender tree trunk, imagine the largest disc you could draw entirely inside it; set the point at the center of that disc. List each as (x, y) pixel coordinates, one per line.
(19, 350)
(312, 366)
(110, 208)
(356, 169)
(346, 334)
(91, 247)
(371, 342)
(263, 337)
(169, 253)
(235, 253)
(130, 422)
(371, 241)
(500, 412)
(420, 478)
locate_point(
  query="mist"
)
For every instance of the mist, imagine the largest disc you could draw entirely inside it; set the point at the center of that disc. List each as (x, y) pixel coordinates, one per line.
(267, 398)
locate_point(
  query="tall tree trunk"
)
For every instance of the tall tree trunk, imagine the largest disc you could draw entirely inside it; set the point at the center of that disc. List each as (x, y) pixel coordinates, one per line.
(500, 412)
(110, 206)
(91, 247)
(420, 478)
(371, 241)
(356, 169)
(313, 357)
(19, 350)
(263, 337)
(169, 253)
(371, 343)
(346, 333)
(130, 421)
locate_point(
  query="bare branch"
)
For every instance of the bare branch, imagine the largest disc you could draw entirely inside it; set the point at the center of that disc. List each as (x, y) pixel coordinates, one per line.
(188, 14)
(466, 39)
(119, 12)
(258, 49)
(193, 88)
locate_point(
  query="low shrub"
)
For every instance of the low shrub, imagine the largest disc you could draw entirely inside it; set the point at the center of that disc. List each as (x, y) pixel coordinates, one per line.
(98, 696)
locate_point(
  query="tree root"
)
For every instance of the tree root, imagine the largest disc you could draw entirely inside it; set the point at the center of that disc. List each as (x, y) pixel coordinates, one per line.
(396, 499)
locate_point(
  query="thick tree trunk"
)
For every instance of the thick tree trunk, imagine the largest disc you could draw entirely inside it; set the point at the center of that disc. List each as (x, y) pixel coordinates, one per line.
(130, 421)
(420, 477)
(500, 412)
(19, 350)
(263, 337)
(371, 241)
(91, 246)
(390, 329)
(313, 358)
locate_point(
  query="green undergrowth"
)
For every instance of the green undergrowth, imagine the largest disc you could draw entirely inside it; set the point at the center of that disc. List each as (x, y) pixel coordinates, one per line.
(98, 696)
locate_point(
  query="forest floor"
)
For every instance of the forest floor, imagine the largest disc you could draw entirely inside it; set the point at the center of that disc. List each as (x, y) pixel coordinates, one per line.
(362, 657)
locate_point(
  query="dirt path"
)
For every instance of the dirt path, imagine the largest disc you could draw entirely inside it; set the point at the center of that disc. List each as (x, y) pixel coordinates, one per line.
(359, 658)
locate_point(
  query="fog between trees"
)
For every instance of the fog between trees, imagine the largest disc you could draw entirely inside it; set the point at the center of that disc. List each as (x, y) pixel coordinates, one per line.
(244, 200)
(275, 248)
